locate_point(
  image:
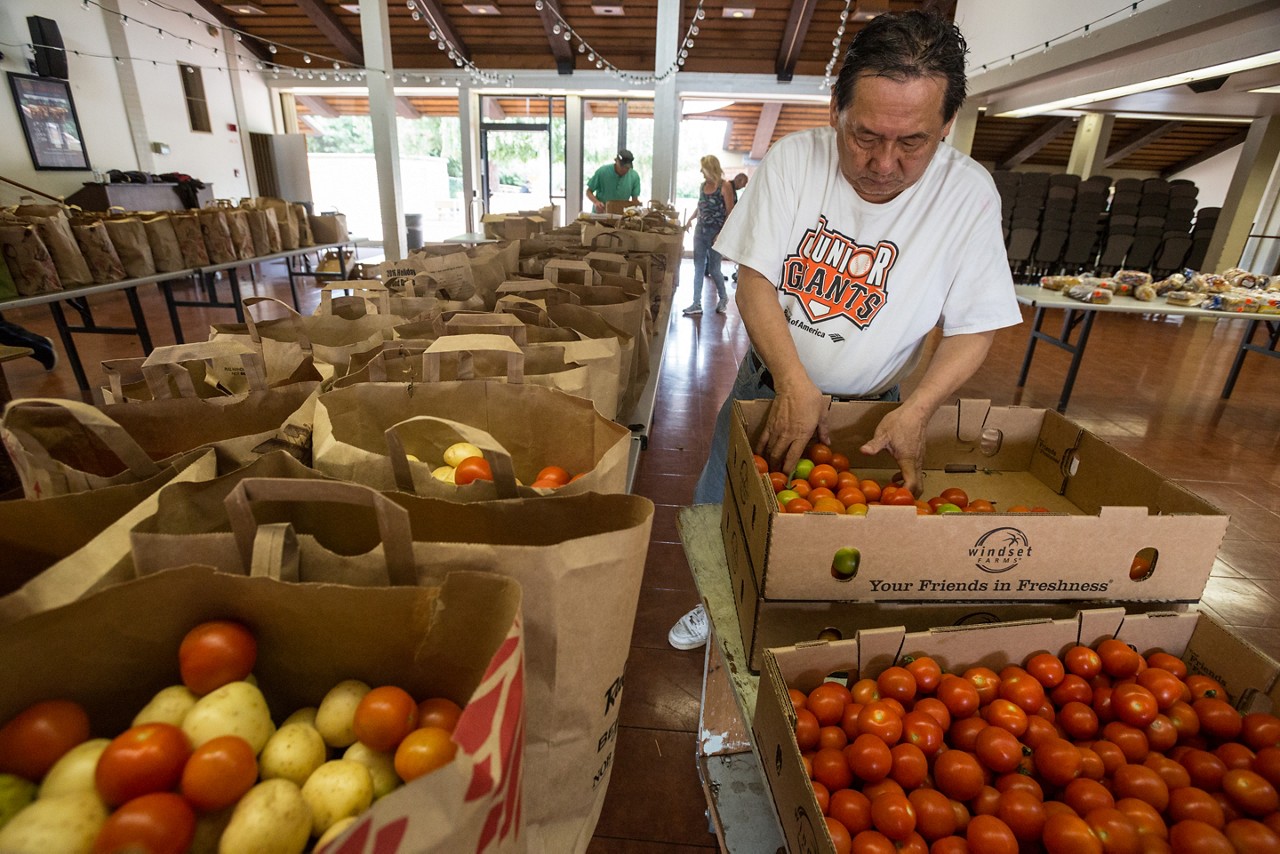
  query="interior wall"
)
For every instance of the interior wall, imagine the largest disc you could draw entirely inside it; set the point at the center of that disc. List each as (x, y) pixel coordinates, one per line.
(215, 157)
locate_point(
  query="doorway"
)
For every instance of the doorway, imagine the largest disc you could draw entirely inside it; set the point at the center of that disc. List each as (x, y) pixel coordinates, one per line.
(521, 153)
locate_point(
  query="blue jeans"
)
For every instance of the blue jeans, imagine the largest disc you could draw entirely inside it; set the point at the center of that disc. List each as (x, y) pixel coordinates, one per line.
(706, 262)
(750, 384)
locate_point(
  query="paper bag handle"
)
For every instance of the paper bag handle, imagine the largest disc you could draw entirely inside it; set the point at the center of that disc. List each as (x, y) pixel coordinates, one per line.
(393, 520)
(402, 347)
(111, 434)
(499, 459)
(275, 553)
(468, 344)
(165, 363)
(370, 290)
(485, 323)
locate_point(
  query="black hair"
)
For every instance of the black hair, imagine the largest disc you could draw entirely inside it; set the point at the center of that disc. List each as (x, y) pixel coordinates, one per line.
(906, 46)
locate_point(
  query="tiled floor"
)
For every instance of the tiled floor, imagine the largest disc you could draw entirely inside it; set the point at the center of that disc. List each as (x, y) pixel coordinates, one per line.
(1149, 385)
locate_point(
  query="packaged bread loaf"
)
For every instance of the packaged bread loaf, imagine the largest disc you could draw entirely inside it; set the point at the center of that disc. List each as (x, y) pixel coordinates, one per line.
(1184, 298)
(1090, 294)
(1058, 283)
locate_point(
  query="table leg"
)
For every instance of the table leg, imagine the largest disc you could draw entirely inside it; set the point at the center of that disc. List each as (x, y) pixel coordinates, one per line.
(172, 305)
(69, 344)
(1031, 347)
(1247, 345)
(1077, 352)
(237, 301)
(139, 320)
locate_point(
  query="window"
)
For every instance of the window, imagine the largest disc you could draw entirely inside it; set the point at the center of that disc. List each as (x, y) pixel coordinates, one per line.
(193, 89)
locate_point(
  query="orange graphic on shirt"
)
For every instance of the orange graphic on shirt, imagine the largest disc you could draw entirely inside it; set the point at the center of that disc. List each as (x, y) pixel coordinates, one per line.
(833, 276)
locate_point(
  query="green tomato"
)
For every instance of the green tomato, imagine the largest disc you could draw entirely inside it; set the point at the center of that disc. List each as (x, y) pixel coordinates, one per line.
(802, 470)
(786, 495)
(15, 793)
(947, 508)
(844, 565)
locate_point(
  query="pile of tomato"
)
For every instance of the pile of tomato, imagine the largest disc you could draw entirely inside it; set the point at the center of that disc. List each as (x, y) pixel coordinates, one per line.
(1097, 750)
(824, 483)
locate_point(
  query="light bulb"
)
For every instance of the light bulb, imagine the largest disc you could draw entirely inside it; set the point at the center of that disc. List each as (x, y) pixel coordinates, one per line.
(555, 29)
(337, 65)
(271, 48)
(306, 57)
(568, 35)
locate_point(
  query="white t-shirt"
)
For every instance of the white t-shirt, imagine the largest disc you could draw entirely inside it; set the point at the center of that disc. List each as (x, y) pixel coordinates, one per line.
(862, 284)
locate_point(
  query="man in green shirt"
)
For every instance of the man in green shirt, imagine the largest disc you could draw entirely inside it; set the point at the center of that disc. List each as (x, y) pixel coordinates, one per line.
(614, 182)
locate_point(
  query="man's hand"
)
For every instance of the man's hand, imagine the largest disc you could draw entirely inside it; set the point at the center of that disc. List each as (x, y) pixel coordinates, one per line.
(901, 433)
(795, 418)
(598, 207)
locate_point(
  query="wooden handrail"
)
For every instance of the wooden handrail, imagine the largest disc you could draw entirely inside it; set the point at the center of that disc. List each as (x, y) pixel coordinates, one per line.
(58, 199)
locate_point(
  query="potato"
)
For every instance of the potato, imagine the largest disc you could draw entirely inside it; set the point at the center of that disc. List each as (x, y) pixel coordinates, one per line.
(338, 710)
(169, 706)
(382, 767)
(67, 824)
(74, 771)
(335, 830)
(236, 708)
(271, 818)
(305, 715)
(444, 473)
(459, 451)
(292, 752)
(337, 790)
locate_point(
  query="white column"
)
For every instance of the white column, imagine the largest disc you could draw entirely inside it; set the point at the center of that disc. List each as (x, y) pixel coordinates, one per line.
(376, 37)
(666, 103)
(134, 114)
(1089, 149)
(234, 70)
(574, 184)
(1244, 194)
(964, 127)
(469, 134)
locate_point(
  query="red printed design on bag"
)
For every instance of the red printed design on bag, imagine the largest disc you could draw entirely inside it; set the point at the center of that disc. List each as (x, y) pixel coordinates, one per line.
(387, 841)
(833, 276)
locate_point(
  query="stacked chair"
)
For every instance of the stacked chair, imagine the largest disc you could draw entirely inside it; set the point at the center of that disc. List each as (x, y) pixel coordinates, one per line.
(1024, 222)
(1122, 223)
(1086, 225)
(1201, 234)
(1176, 242)
(1055, 223)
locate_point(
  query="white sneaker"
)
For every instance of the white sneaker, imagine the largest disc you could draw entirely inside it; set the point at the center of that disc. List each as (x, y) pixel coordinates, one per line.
(692, 311)
(691, 631)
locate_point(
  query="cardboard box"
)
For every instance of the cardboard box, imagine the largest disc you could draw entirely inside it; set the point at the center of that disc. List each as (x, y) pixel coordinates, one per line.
(1011, 455)
(619, 207)
(1251, 680)
(506, 227)
(569, 271)
(768, 623)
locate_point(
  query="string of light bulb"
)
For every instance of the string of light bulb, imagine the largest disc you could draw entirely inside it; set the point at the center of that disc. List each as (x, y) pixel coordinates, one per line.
(1042, 46)
(436, 34)
(564, 29)
(835, 48)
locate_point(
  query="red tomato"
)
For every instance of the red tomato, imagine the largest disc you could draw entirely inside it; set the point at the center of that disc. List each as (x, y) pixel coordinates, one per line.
(1024, 813)
(1218, 718)
(958, 774)
(439, 711)
(1205, 686)
(869, 758)
(986, 680)
(898, 683)
(561, 476)
(881, 720)
(841, 841)
(955, 495)
(1072, 689)
(762, 465)
(1084, 796)
(1267, 763)
(893, 815)
(910, 766)
(1143, 783)
(1250, 792)
(472, 469)
(959, 695)
(1065, 833)
(1116, 830)
(1133, 704)
(1252, 836)
(935, 818)
(1186, 837)
(385, 716)
(422, 751)
(852, 809)
(1192, 803)
(215, 653)
(39, 735)
(1119, 659)
(807, 730)
(1163, 685)
(1047, 668)
(998, 749)
(1022, 689)
(827, 702)
(1083, 661)
(219, 772)
(831, 769)
(157, 823)
(922, 730)
(1058, 761)
(143, 759)
(989, 835)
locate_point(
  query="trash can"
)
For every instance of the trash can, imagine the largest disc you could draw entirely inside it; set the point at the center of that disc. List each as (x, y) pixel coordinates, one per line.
(413, 230)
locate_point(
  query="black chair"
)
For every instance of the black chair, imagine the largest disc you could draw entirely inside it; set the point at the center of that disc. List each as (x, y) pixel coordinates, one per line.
(1196, 255)
(1098, 183)
(1114, 250)
(1120, 224)
(1142, 252)
(1022, 242)
(1172, 255)
(1081, 251)
(1124, 208)
(1048, 251)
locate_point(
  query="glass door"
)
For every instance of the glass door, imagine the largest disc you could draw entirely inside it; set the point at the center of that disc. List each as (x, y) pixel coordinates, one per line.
(521, 153)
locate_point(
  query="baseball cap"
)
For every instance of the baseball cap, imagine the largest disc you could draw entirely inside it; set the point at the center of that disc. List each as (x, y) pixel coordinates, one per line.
(625, 157)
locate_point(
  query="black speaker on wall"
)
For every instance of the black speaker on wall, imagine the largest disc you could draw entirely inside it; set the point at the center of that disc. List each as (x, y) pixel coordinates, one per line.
(51, 59)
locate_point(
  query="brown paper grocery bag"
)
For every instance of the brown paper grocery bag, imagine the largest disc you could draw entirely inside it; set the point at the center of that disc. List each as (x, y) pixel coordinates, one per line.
(241, 235)
(186, 227)
(55, 231)
(217, 235)
(165, 251)
(92, 550)
(209, 370)
(329, 228)
(99, 252)
(286, 221)
(461, 639)
(60, 446)
(536, 427)
(579, 559)
(628, 312)
(129, 237)
(28, 260)
(302, 218)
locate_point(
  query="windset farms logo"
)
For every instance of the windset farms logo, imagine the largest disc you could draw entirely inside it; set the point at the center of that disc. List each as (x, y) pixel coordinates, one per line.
(1000, 550)
(833, 276)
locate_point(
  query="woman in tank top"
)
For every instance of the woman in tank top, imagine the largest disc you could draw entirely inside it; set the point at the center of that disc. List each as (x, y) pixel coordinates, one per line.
(715, 200)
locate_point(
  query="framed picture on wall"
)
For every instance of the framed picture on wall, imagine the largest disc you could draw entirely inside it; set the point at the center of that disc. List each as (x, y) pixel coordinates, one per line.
(49, 122)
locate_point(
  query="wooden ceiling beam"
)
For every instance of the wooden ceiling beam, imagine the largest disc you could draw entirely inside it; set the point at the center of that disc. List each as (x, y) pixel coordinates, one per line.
(405, 108)
(1139, 142)
(333, 29)
(793, 37)
(317, 106)
(1212, 151)
(438, 18)
(224, 18)
(769, 113)
(1048, 133)
(560, 49)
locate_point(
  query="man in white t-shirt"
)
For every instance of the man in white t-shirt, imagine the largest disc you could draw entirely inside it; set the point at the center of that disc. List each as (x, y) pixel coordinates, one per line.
(854, 243)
